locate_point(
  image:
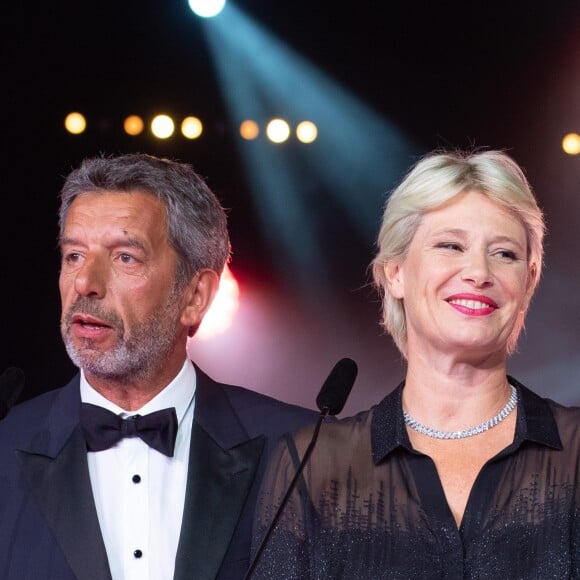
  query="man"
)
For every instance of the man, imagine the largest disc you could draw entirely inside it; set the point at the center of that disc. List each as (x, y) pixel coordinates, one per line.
(164, 485)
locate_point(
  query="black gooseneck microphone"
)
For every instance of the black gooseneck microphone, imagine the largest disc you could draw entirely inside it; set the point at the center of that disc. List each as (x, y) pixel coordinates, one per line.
(336, 388)
(11, 385)
(330, 401)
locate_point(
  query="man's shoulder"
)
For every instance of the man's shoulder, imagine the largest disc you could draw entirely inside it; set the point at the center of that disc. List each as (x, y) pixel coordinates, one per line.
(32, 414)
(242, 395)
(261, 413)
(264, 414)
(237, 393)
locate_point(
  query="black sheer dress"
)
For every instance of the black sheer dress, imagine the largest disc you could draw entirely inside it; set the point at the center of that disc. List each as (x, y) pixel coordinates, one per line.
(371, 507)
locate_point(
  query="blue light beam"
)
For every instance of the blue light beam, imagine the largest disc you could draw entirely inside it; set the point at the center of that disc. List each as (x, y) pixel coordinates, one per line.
(357, 157)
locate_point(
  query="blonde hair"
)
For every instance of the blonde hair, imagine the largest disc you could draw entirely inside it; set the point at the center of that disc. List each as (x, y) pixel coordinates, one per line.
(433, 181)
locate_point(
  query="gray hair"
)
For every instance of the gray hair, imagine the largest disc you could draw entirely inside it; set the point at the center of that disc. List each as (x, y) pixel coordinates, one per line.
(434, 180)
(196, 221)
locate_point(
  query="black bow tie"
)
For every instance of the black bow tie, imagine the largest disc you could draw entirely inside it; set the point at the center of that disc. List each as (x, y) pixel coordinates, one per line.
(103, 429)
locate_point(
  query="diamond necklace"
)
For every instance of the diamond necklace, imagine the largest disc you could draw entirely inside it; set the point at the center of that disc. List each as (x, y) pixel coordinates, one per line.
(463, 433)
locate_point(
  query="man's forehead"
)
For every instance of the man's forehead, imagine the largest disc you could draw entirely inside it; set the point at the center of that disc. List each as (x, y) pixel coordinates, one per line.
(133, 215)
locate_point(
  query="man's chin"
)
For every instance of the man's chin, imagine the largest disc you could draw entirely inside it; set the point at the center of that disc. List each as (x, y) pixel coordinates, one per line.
(94, 361)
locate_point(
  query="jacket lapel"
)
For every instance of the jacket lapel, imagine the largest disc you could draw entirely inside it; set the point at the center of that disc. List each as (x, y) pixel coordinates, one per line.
(56, 469)
(222, 466)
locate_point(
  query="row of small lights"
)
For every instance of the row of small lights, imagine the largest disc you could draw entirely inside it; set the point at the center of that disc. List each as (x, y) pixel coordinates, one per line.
(277, 130)
(163, 127)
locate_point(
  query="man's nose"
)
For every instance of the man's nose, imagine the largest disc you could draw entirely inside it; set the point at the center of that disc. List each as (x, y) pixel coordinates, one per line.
(91, 278)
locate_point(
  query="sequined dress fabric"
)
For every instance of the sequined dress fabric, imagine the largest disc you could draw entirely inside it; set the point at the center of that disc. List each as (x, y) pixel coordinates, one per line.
(370, 507)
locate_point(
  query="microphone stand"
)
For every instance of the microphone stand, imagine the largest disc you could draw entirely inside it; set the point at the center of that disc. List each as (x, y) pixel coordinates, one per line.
(323, 414)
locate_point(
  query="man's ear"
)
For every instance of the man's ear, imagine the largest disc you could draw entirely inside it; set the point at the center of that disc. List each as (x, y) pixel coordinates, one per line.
(198, 297)
(394, 278)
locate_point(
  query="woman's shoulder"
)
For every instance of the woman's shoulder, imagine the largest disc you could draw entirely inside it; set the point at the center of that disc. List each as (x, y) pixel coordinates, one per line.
(530, 393)
(543, 409)
(336, 436)
(567, 418)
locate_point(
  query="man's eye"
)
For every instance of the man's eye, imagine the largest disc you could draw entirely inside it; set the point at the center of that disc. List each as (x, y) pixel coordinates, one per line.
(126, 258)
(72, 258)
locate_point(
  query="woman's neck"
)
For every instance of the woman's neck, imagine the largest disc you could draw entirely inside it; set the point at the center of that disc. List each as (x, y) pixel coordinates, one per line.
(450, 394)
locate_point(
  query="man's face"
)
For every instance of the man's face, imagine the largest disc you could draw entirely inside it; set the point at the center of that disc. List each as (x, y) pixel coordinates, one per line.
(120, 309)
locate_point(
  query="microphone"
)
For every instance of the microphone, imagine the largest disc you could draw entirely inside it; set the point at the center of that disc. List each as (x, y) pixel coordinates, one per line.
(337, 387)
(11, 385)
(330, 401)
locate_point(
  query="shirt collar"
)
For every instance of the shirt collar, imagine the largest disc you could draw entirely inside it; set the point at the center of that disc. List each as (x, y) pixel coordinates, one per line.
(178, 393)
(535, 423)
(388, 429)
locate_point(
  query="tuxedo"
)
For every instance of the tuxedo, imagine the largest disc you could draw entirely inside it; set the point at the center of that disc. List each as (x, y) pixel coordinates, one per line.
(49, 529)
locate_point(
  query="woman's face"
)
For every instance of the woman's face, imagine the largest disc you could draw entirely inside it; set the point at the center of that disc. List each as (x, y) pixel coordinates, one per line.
(465, 281)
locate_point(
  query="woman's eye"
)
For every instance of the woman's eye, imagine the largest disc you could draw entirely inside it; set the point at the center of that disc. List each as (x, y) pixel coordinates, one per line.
(506, 254)
(449, 246)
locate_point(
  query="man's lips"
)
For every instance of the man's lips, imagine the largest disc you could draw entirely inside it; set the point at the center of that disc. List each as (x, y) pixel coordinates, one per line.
(472, 304)
(88, 321)
(87, 327)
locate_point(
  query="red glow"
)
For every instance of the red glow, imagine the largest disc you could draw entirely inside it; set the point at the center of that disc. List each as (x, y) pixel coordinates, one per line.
(223, 309)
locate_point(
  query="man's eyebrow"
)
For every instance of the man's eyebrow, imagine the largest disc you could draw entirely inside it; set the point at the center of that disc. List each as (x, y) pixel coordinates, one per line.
(67, 241)
(117, 242)
(128, 242)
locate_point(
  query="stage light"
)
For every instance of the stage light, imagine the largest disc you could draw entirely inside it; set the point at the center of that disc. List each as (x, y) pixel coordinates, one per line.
(207, 8)
(249, 130)
(571, 144)
(75, 123)
(358, 154)
(278, 130)
(306, 132)
(191, 127)
(223, 309)
(162, 126)
(133, 125)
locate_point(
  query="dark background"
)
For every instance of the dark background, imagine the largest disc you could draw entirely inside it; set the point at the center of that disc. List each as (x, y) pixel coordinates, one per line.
(448, 74)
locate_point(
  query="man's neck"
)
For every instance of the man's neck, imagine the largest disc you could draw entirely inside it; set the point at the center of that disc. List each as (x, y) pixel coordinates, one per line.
(132, 393)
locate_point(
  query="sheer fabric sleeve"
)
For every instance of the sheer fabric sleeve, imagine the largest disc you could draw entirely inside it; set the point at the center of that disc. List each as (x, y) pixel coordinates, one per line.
(575, 534)
(576, 546)
(287, 551)
(334, 518)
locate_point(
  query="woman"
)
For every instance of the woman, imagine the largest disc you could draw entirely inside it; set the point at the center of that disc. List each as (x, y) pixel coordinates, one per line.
(461, 472)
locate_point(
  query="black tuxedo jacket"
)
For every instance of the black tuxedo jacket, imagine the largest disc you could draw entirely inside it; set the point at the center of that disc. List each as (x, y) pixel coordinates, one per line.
(49, 528)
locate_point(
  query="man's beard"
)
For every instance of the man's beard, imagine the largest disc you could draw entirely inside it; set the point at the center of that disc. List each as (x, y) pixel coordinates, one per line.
(136, 357)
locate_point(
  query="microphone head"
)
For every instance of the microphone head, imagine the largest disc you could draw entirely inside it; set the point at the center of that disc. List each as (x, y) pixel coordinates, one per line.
(337, 386)
(11, 385)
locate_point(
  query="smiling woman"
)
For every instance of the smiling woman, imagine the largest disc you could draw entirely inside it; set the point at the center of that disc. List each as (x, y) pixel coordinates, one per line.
(461, 471)
(464, 287)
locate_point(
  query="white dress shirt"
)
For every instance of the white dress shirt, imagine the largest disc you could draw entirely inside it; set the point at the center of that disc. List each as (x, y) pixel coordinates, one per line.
(139, 492)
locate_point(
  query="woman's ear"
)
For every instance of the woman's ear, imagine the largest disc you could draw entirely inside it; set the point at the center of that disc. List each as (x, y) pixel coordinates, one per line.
(532, 282)
(394, 278)
(198, 297)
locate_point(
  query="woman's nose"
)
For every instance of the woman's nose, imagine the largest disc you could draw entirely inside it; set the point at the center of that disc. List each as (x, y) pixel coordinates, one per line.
(477, 269)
